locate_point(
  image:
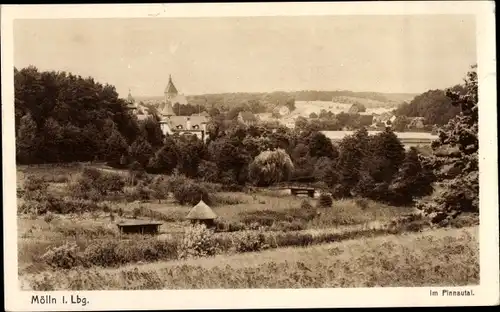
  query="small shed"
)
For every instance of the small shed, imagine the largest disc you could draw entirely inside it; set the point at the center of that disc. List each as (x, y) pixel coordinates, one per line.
(139, 227)
(202, 213)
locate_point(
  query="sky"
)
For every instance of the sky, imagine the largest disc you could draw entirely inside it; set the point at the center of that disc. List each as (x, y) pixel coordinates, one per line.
(398, 54)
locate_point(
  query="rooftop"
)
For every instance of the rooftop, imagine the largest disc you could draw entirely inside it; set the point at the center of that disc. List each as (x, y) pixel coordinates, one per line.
(138, 223)
(170, 86)
(201, 212)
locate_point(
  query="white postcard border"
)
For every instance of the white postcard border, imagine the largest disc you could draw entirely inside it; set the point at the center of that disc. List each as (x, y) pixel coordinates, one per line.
(487, 293)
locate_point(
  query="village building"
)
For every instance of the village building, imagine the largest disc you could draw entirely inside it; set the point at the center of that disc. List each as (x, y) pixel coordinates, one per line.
(247, 118)
(171, 123)
(202, 214)
(416, 123)
(140, 112)
(386, 118)
(283, 110)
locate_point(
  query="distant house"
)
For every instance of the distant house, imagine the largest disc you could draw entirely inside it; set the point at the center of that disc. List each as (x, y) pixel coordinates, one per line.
(284, 110)
(248, 118)
(264, 116)
(417, 123)
(384, 117)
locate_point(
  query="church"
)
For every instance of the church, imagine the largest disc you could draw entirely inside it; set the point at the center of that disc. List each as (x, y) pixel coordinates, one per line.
(170, 122)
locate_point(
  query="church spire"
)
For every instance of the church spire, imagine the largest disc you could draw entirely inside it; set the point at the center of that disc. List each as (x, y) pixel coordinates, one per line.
(171, 89)
(130, 98)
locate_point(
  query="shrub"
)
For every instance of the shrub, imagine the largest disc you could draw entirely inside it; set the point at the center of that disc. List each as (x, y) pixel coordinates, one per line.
(222, 225)
(63, 205)
(227, 200)
(325, 200)
(69, 205)
(208, 171)
(293, 239)
(264, 217)
(251, 242)
(362, 203)
(232, 187)
(112, 253)
(62, 257)
(160, 188)
(57, 178)
(138, 192)
(198, 241)
(136, 212)
(95, 184)
(34, 187)
(85, 232)
(190, 193)
(285, 226)
(48, 217)
(465, 220)
(142, 211)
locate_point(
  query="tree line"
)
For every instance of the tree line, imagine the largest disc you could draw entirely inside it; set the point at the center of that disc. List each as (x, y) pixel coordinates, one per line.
(434, 105)
(61, 117)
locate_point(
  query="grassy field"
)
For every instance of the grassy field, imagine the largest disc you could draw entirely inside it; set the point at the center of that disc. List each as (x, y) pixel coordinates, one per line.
(264, 238)
(442, 257)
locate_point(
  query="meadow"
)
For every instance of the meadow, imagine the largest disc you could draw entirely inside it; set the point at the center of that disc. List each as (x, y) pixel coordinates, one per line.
(264, 238)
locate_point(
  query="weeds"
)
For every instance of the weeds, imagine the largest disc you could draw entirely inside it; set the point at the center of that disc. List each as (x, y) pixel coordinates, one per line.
(395, 261)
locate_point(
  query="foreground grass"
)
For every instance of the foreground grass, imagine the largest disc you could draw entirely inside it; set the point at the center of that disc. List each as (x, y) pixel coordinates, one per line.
(440, 257)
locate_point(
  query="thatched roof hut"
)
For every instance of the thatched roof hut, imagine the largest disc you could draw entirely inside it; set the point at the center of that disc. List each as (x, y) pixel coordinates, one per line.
(202, 213)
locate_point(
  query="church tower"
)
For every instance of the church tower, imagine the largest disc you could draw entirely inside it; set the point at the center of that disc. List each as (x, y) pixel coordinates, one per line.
(131, 104)
(170, 93)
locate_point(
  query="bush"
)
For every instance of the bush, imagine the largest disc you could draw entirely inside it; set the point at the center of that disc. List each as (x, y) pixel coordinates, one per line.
(208, 171)
(138, 192)
(63, 205)
(233, 187)
(265, 217)
(251, 242)
(112, 253)
(285, 226)
(227, 200)
(362, 203)
(325, 200)
(293, 239)
(191, 193)
(142, 211)
(34, 187)
(222, 225)
(198, 241)
(95, 184)
(62, 257)
(48, 217)
(84, 232)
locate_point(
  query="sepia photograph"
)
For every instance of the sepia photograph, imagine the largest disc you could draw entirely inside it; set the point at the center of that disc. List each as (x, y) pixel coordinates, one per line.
(205, 147)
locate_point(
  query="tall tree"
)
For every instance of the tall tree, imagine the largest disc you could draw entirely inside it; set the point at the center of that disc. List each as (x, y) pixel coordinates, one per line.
(116, 146)
(455, 157)
(270, 167)
(141, 151)
(413, 180)
(27, 142)
(352, 150)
